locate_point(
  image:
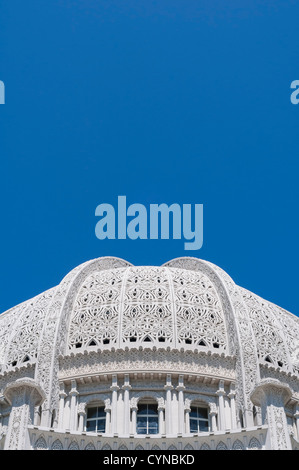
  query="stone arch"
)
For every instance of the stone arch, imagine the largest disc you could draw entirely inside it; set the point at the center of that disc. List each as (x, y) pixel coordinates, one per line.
(221, 446)
(147, 395)
(156, 447)
(122, 447)
(57, 445)
(54, 333)
(205, 446)
(90, 446)
(188, 447)
(40, 444)
(241, 338)
(237, 445)
(254, 444)
(94, 398)
(106, 447)
(73, 446)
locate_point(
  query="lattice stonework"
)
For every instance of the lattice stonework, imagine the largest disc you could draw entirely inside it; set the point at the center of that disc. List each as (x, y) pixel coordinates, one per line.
(268, 332)
(26, 329)
(150, 305)
(95, 317)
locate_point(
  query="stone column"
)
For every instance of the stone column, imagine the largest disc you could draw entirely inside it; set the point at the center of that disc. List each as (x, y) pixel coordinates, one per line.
(161, 411)
(168, 421)
(220, 393)
(272, 395)
(108, 417)
(73, 406)
(187, 416)
(62, 396)
(114, 388)
(126, 388)
(212, 416)
(134, 409)
(296, 416)
(232, 397)
(23, 395)
(180, 389)
(82, 414)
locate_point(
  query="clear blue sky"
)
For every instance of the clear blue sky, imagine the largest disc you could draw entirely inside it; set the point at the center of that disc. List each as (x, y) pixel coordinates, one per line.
(162, 101)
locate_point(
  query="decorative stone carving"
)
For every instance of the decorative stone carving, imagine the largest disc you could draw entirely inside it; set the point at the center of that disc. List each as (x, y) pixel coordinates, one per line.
(187, 318)
(271, 396)
(23, 395)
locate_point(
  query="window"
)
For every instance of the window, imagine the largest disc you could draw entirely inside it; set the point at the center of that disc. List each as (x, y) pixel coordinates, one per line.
(147, 419)
(96, 419)
(199, 421)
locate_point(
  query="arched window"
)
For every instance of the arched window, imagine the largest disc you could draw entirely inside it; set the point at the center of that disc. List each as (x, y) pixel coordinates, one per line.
(199, 419)
(147, 418)
(96, 419)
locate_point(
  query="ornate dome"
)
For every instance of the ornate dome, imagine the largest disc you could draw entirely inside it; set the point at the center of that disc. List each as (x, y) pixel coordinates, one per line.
(186, 303)
(186, 317)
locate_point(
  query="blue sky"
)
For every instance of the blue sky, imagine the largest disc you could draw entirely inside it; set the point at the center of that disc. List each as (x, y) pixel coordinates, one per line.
(170, 101)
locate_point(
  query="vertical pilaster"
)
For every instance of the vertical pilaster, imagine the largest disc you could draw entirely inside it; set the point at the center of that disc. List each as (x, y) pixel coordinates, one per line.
(180, 389)
(62, 396)
(126, 388)
(232, 397)
(161, 409)
(134, 418)
(187, 417)
(82, 414)
(168, 421)
(73, 406)
(114, 389)
(220, 393)
(296, 416)
(213, 420)
(108, 419)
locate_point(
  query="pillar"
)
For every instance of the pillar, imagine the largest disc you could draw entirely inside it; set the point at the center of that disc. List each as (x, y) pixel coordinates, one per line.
(213, 420)
(187, 418)
(168, 421)
(108, 419)
(272, 395)
(62, 396)
(161, 409)
(126, 388)
(134, 418)
(23, 395)
(73, 406)
(82, 414)
(232, 397)
(114, 389)
(220, 393)
(180, 389)
(296, 416)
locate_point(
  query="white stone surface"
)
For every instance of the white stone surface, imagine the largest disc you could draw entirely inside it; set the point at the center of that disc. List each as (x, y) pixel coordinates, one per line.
(180, 335)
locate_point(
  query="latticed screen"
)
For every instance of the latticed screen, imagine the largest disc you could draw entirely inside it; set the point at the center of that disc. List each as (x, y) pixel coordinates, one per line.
(199, 420)
(147, 419)
(96, 419)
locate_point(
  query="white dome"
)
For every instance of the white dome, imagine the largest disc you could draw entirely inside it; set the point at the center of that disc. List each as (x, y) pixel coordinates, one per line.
(186, 318)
